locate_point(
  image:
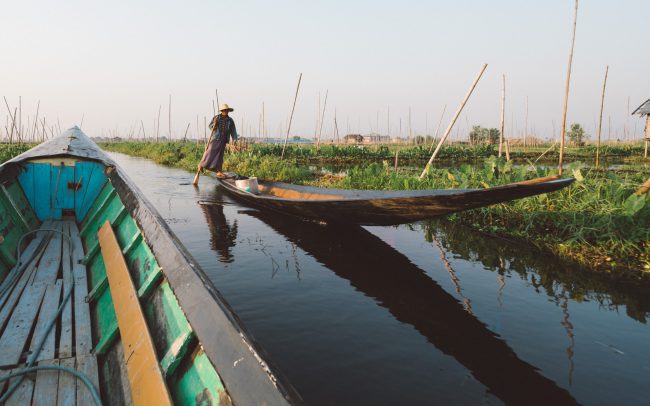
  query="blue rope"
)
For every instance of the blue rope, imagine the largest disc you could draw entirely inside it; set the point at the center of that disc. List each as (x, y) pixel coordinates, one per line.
(83, 377)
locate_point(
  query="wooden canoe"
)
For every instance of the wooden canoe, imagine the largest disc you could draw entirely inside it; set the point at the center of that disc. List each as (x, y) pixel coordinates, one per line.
(111, 293)
(372, 207)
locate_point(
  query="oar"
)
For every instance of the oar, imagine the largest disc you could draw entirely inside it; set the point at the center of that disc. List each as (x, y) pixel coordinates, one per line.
(195, 182)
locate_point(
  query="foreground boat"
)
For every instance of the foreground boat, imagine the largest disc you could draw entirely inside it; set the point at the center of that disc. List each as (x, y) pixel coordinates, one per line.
(371, 207)
(100, 303)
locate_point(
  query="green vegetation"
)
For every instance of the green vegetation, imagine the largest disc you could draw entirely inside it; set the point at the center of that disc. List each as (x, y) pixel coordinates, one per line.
(8, 151)
(577, 134)
(597, 222)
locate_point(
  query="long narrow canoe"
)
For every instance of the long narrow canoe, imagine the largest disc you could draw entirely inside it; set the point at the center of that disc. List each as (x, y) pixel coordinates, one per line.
(101, 285)
(372, 207)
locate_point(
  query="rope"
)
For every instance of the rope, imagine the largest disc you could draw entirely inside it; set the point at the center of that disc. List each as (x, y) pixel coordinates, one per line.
(81, 376)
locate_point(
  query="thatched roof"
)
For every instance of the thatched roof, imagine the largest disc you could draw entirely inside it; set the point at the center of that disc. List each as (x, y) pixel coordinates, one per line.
(643, 109)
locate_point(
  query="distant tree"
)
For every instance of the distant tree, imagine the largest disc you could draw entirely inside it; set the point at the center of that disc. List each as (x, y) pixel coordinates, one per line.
(296, 137)
(493, 135)
(419, 140)
(577, 134)
(481, 135)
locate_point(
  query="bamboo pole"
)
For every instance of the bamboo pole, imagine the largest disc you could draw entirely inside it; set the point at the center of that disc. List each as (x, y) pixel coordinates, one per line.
(336, 127)
(526, 125)
(438, 128)
(600, 122)
(38, 107)
(643, 189)
(503, 113)
(320, 129)
(195, 182)
(453, 121)
(410, 129)
(647, 135)
(158, 126)
(566, 92)
(284, 146)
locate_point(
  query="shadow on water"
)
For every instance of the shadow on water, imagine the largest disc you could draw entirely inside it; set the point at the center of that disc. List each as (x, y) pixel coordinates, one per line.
(383, 273)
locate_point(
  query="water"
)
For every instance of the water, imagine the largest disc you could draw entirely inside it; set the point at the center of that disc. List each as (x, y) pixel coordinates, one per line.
(417, 314)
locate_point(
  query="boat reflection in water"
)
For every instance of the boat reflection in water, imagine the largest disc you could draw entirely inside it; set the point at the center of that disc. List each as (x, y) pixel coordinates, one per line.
(383, 273)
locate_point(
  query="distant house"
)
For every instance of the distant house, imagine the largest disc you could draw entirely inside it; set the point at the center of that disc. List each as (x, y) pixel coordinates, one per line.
(353, 138)
(644, 110)
(376, 138)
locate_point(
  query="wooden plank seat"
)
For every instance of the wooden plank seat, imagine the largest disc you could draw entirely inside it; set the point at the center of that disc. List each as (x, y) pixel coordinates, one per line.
(146, 379)
(51, 265)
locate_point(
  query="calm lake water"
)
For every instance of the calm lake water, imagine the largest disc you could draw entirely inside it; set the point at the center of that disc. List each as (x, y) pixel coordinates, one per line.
(428, 313)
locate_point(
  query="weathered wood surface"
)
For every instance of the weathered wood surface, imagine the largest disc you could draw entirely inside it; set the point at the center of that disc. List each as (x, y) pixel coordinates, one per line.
(20, 325)
(45, 316)
(49, 265)
(65, 340)
(83, 334)
(87, 364)
(23, 394)
(66, 393)
(46, 387)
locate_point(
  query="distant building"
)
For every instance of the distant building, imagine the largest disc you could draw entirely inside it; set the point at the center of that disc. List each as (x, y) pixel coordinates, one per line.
(644, 110)
(376, 139)
(353, 138)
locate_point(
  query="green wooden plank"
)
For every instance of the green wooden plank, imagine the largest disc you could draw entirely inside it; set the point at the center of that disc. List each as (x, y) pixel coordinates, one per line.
(47, 313)
(197, 383)
(105, 197)
(20, 325)
(46, 386)
(26, 210)
(94, 294)
(176, 353)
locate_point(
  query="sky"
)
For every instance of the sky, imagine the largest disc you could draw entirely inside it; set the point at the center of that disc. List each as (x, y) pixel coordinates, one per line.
(116, 63)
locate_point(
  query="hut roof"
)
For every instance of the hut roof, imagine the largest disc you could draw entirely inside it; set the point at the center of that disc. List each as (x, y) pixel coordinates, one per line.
(643, 109)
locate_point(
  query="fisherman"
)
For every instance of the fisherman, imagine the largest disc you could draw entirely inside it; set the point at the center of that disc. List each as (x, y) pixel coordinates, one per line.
(223, 128)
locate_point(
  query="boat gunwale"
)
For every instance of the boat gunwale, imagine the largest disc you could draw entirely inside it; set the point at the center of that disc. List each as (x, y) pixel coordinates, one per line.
(399, 194)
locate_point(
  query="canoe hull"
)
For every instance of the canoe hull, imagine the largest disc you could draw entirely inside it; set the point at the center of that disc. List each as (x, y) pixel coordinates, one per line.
(390, 208)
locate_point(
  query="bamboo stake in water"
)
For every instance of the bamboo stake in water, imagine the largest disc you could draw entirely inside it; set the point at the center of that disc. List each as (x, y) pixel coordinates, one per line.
(453, 121)
(284, 146)
(503, 114)
(158, 126)
(566, 92)
(600, 122)
(320, 129)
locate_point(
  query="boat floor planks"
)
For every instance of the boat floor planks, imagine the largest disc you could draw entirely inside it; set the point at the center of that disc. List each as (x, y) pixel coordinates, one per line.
(51, 263)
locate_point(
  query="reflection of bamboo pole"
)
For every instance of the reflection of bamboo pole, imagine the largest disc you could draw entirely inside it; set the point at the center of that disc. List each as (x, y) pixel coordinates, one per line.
(291, 117)
(467, 303)
(568, 326)
(453, 121)
(600, 122)
(566, 92)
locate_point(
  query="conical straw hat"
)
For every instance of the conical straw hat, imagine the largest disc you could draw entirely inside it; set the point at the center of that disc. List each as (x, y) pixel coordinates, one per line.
(225, 106)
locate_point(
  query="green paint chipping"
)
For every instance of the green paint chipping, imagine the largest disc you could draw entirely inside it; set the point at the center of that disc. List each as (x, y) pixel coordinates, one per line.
(197, 383)
(13, 224)
(191, 377)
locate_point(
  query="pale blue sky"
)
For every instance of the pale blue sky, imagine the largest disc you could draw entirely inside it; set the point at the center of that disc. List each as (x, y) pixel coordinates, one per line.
(118, 61)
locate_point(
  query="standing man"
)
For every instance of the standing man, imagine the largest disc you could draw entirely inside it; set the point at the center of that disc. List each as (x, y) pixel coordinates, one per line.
(223, 128)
